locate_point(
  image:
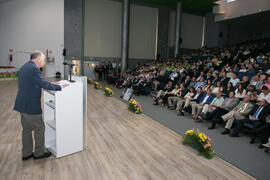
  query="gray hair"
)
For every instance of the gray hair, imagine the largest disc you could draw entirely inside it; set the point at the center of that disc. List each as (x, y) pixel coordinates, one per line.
(36, 54)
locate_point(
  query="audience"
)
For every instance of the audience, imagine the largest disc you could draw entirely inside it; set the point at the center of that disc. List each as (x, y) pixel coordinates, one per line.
(223, 85)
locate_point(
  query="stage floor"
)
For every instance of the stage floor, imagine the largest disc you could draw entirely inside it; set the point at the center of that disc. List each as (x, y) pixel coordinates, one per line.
(121, 145)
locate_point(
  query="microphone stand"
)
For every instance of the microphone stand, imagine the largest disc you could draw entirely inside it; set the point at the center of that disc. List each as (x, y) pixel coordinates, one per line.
(70, 71)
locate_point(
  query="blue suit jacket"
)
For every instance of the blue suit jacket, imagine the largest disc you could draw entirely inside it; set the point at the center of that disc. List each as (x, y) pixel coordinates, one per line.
(29, 89)
(199, 97)
(209, 100)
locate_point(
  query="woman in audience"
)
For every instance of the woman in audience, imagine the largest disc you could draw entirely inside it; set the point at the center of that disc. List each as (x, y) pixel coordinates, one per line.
(226, 91)
(230, 73)
(240, 92)
(217, 88)
(208, 85)
(267, 83)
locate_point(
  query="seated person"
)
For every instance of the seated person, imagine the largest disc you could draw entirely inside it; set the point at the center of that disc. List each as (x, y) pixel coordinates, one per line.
(206, 99)
(138, 86)
(195, 100)
(226, 91)
(163, 92)
(186, 99)
(267, 145)
(265, 94)
(234, 80)
(238, 113)
(207, 86)
(228, 104)
(172, 100)
(193, 82)
(256, 118)
(263, 132)
(146, 87)
(240, 92)
(267, 84)
(174, 92)
(245, 82)
(215, 78)
(217, 88)
(186, 81)
(224, 80)
(255, 82)
(209, 108)
(201, 83)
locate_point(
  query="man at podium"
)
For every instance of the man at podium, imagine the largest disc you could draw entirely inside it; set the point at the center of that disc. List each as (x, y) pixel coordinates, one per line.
(28, 103)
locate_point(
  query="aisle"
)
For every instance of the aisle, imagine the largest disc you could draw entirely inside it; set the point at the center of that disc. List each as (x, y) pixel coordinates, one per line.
(121, 145)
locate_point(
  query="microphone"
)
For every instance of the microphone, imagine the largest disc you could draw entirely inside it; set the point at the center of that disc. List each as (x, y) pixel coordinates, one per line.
(65, 63)
(70, 70)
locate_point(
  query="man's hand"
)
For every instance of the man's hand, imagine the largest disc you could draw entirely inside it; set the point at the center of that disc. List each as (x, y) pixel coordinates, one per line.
(55, 82)
(64, 85)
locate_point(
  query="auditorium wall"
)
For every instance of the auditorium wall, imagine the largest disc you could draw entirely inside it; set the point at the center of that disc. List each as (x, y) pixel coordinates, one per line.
(27, 25)
(191, 30)
(103, 26)
(236, 30)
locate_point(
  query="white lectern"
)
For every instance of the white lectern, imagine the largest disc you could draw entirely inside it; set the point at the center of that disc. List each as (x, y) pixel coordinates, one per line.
(65, 119)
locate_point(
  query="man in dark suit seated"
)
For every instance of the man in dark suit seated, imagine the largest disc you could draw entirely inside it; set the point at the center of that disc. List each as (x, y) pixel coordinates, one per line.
(28, 104)
(262, 133)
(255, 119)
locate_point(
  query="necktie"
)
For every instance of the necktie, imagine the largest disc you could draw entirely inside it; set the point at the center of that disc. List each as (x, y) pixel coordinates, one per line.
(242, 107)
(257, 112)
(228, 102)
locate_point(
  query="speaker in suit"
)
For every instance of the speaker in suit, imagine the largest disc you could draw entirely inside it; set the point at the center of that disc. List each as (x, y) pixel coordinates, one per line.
(28, 103)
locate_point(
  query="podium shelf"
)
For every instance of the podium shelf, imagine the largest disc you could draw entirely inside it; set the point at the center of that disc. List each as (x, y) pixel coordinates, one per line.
(51, 92)
(51, 123)
(51, 104)
(51, 145)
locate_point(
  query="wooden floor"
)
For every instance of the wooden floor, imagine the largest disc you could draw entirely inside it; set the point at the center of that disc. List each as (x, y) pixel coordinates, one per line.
(121, 145)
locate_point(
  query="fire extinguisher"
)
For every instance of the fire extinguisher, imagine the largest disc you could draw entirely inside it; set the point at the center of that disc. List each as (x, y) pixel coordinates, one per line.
(10, 57)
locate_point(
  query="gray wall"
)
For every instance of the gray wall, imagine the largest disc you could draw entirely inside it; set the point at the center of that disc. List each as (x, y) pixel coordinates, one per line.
(73, 23)
(28, 25)
(240, 29)
(163, 30)
(212, 32)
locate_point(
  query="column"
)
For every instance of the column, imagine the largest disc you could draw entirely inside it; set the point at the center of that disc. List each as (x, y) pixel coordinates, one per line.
(125, 35)
(177, 28)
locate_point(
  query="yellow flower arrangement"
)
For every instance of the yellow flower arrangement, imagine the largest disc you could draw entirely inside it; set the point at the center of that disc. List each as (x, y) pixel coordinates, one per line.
(97, 85)
(108, 92)
(134, 106)
(90, 81)
(199, 141)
